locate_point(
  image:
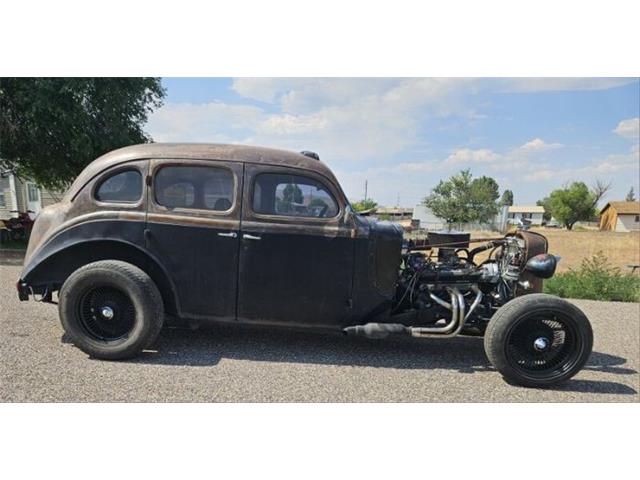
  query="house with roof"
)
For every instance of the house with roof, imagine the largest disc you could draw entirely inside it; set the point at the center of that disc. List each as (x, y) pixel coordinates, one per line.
(22, 196)
(620, 217)
(530, 213)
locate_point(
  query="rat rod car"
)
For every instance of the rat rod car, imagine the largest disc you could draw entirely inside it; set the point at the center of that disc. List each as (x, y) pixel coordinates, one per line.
(228, 233)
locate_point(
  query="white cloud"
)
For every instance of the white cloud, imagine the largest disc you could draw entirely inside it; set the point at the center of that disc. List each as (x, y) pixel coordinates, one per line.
(537, 145)
(629, 128)
(617, 162)
(303, 95)
(538, 175)
(417, 167)
(562, 84)
(292, 125)
(203, 122)
(618, 166)
(345, 118)
(466, 156)
(266, 89)
(353, 118)
(297, 94)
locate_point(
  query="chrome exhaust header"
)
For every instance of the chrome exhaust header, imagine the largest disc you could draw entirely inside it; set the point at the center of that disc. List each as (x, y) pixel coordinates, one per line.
(459, 315)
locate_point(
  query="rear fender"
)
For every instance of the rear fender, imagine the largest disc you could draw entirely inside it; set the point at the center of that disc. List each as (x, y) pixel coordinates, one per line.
(60, 258)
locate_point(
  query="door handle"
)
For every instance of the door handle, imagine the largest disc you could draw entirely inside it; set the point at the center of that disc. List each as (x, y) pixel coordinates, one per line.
(230, 234)
(250, 237)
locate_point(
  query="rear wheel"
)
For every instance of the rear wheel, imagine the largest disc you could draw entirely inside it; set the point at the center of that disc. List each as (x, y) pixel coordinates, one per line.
(538, 340)
(111, 309)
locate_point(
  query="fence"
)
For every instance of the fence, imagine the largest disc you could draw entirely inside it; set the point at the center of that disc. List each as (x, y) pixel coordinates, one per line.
(429, 222)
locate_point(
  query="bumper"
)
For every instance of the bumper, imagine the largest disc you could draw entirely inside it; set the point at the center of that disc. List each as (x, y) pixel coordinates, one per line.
(23, 291)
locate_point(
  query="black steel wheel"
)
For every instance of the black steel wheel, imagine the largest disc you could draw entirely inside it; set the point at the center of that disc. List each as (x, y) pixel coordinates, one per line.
(106, 313)
(111, 309)
(538, 340)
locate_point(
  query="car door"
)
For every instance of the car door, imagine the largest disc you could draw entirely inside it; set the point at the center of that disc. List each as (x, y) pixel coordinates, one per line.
(193, 221)
(296, 249)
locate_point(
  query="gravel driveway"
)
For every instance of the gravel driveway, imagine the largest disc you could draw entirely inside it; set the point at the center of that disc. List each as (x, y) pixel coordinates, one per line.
(238, 364)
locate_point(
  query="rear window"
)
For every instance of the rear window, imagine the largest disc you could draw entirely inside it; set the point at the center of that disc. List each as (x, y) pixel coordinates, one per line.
(292, 196)
(204, 188)
(122, 187)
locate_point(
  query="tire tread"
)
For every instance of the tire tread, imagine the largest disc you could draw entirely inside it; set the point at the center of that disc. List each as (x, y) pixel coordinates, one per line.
(498, 328)
(150, 300)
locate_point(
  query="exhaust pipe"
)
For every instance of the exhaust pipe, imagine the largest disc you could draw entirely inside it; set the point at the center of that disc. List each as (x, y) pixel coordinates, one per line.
(476, 301)
(451, 329)
(376, 330)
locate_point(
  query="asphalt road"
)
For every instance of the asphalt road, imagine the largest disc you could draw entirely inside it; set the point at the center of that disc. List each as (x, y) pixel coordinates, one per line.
(237, 364)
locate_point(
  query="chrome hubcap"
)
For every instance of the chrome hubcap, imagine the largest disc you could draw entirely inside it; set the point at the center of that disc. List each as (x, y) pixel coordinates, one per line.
(107, 312)
(541, 343)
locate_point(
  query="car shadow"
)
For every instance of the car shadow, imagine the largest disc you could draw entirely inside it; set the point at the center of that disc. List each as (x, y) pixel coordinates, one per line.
(206, 347)
(595, 386)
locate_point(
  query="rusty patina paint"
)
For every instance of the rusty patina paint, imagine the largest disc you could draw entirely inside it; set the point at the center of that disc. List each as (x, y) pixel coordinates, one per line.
(192, 151)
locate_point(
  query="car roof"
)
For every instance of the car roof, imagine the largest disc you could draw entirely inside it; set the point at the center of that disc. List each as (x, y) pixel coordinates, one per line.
(199, 151)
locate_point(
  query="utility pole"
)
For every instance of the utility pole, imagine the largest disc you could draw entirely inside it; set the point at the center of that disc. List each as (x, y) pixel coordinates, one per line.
(365, 190)
(398, 201)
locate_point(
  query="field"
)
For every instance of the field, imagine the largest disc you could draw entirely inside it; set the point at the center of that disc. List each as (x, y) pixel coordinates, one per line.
(622, 249)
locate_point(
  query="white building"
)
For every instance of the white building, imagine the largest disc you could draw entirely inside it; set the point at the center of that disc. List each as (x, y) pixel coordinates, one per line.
(531, 213)
(19, 196)
(620, 217)
(427, 220)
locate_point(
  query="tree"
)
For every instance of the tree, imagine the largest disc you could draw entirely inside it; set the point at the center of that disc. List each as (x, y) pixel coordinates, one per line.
(507, 198)
(462, 199)
(291, 194)
(631, 196)
(363, 205)
(544, 203)
(484, 194)
(51, 128)
(576, 202)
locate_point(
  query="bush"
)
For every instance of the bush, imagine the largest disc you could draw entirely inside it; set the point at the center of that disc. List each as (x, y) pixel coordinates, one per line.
(595, 280)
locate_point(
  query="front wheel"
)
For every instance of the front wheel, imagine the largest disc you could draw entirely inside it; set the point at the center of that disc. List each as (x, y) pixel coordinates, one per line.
(111, 309)
(538, 340)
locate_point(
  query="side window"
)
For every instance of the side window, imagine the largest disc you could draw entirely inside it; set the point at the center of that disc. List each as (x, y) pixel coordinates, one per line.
(292, 196)
(205, 188)
(122, 187)
(32, 192)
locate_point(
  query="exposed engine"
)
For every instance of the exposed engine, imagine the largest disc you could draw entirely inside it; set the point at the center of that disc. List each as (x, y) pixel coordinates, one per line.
(458, 290)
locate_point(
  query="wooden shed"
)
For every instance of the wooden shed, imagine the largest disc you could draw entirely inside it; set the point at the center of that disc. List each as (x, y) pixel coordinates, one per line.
(620, 217)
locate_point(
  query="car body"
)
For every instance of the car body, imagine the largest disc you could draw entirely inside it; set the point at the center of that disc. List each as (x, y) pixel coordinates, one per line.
(212, 265)
(228, 233)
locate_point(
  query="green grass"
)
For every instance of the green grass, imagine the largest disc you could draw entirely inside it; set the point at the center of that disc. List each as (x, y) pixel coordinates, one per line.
(595, 279)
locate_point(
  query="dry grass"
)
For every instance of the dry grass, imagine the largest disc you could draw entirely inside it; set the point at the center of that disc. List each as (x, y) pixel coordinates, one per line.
(621, 249)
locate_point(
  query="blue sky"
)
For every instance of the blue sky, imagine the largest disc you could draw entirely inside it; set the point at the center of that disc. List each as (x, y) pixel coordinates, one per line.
(404, 135)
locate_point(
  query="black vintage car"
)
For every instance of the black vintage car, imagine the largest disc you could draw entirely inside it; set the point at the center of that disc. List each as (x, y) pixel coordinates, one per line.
(211, 233)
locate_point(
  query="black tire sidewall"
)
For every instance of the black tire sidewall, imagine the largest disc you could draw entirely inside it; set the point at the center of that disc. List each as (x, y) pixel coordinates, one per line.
(135, 284)
(511, 314)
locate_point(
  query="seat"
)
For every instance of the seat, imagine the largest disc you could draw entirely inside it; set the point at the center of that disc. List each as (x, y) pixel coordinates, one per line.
(222, 204)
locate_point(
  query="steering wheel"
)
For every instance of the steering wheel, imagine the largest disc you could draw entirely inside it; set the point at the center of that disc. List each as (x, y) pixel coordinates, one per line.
(323, 211)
